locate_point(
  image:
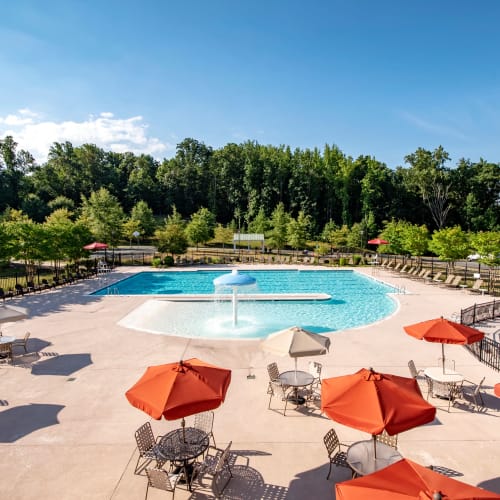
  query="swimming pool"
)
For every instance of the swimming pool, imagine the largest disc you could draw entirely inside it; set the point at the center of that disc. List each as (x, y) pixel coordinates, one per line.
(355, 300)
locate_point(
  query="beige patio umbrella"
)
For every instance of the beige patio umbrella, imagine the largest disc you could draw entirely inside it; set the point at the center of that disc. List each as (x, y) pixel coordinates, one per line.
(296, 343)
(12, 313)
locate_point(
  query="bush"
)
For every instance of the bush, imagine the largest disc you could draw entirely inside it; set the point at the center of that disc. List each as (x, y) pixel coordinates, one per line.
(156, 262)
(356, 259)
(342, 261)
(168, 261)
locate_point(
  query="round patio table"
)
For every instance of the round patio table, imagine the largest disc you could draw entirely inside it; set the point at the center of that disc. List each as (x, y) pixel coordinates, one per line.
(361, 456)
(449, 376)
(296, 379)
(182, 446)
(7, 339)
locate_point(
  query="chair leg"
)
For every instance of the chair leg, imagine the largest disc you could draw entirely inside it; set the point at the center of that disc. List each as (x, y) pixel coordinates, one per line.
(329, 471)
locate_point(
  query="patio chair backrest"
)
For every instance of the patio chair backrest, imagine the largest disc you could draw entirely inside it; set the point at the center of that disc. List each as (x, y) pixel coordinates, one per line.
(273, 371)
(144, 438)
(332, 442)
(315, 369)
(384, 438)
(413, 368)
(204, 421)
(159, 478)
(223, 459)
(478, 387)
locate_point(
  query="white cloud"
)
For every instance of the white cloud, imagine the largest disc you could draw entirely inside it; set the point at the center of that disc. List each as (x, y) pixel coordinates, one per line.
(434, 128)
(120, 135)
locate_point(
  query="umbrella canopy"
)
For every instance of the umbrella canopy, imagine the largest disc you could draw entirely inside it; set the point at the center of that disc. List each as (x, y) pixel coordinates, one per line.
(374, 402)
(11, 313)
(378, 241)
(96, 245)
(405, 480)
(444, 331)
(177, 390)
(296, 343)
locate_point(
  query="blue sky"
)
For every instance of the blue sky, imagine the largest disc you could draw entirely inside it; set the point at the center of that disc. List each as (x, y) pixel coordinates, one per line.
(375, 78)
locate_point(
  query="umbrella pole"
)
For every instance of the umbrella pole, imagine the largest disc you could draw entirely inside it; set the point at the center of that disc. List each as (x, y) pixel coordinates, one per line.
(374, 448)
(183, 425)
(442, 355)
(235, 306)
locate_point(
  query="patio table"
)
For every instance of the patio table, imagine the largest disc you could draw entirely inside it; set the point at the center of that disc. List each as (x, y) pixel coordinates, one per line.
(182, 446)
(447, 382)
(361, 456)
(296, 379)
(7, 339)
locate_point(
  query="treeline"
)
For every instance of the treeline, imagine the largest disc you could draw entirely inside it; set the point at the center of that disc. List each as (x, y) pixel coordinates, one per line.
(238, 181)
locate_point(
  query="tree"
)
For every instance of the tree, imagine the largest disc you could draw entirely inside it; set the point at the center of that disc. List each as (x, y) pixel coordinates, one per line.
(487, 245)
(223, 235)
(260, 224)
(143, 216)
(104, 216)
(416, 239)
(298, 231)
(172, 237)
(279, 223)
(450, 244)
(394, 233)
(200, 228)
(432, 180)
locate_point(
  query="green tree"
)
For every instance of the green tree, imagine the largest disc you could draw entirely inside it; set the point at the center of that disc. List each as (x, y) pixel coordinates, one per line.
(143, 215)
(416, 239)
(450, 244)
(279, 223)
(487, 245)
(298, 231)
(223, 235)
(260, 224)
(172, 237)
(200, 228)
(103, 214)
(394, 233)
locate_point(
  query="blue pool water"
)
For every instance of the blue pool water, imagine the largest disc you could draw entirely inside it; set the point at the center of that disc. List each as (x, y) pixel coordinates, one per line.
(356, 300)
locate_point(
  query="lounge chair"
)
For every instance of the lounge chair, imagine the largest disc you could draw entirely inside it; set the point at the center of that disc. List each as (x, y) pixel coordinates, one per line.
(476, 287)
(336, 455)
(448, 280)
(424, 275)
(437, 277)
(19, 289)
(455, 283)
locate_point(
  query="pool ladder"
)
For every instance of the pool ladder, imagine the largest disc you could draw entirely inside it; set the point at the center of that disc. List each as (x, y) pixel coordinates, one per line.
(113, 291)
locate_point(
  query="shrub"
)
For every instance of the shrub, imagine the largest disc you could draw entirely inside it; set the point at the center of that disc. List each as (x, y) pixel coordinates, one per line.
(356, 259)
(168, 261)
(342, 261)
(156, 262)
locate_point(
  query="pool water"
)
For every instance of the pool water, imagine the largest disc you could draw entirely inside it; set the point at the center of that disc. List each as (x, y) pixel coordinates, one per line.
(356, 300)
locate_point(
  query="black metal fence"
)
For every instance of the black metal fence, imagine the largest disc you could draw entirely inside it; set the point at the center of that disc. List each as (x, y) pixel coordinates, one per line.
(487, 350)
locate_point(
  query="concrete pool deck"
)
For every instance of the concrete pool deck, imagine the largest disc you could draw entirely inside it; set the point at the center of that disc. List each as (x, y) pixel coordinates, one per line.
(67, 431)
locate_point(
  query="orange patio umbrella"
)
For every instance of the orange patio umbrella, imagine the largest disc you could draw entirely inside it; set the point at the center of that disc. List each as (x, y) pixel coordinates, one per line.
(377, 241)
(96, 245)
(405, 480)
(374, 402)
(444, 331)
(177, 390)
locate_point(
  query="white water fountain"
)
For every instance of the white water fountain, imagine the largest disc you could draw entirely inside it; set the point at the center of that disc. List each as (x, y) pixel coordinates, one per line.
(234, 280)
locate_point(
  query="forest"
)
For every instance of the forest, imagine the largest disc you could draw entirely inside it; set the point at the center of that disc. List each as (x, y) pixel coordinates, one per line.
(243, 185)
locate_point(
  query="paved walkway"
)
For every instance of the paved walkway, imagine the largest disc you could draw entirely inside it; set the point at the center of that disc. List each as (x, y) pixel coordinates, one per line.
(67, 431)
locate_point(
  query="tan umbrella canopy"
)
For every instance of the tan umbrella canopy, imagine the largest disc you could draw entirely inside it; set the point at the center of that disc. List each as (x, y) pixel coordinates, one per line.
(12, 313)
(296, 343)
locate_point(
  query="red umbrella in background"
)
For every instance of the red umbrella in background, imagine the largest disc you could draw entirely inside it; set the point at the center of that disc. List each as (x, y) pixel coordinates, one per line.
(96, 245)
(177, 390)
(374, 402)
(444, 331)
(377, 241)
(405, 480)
